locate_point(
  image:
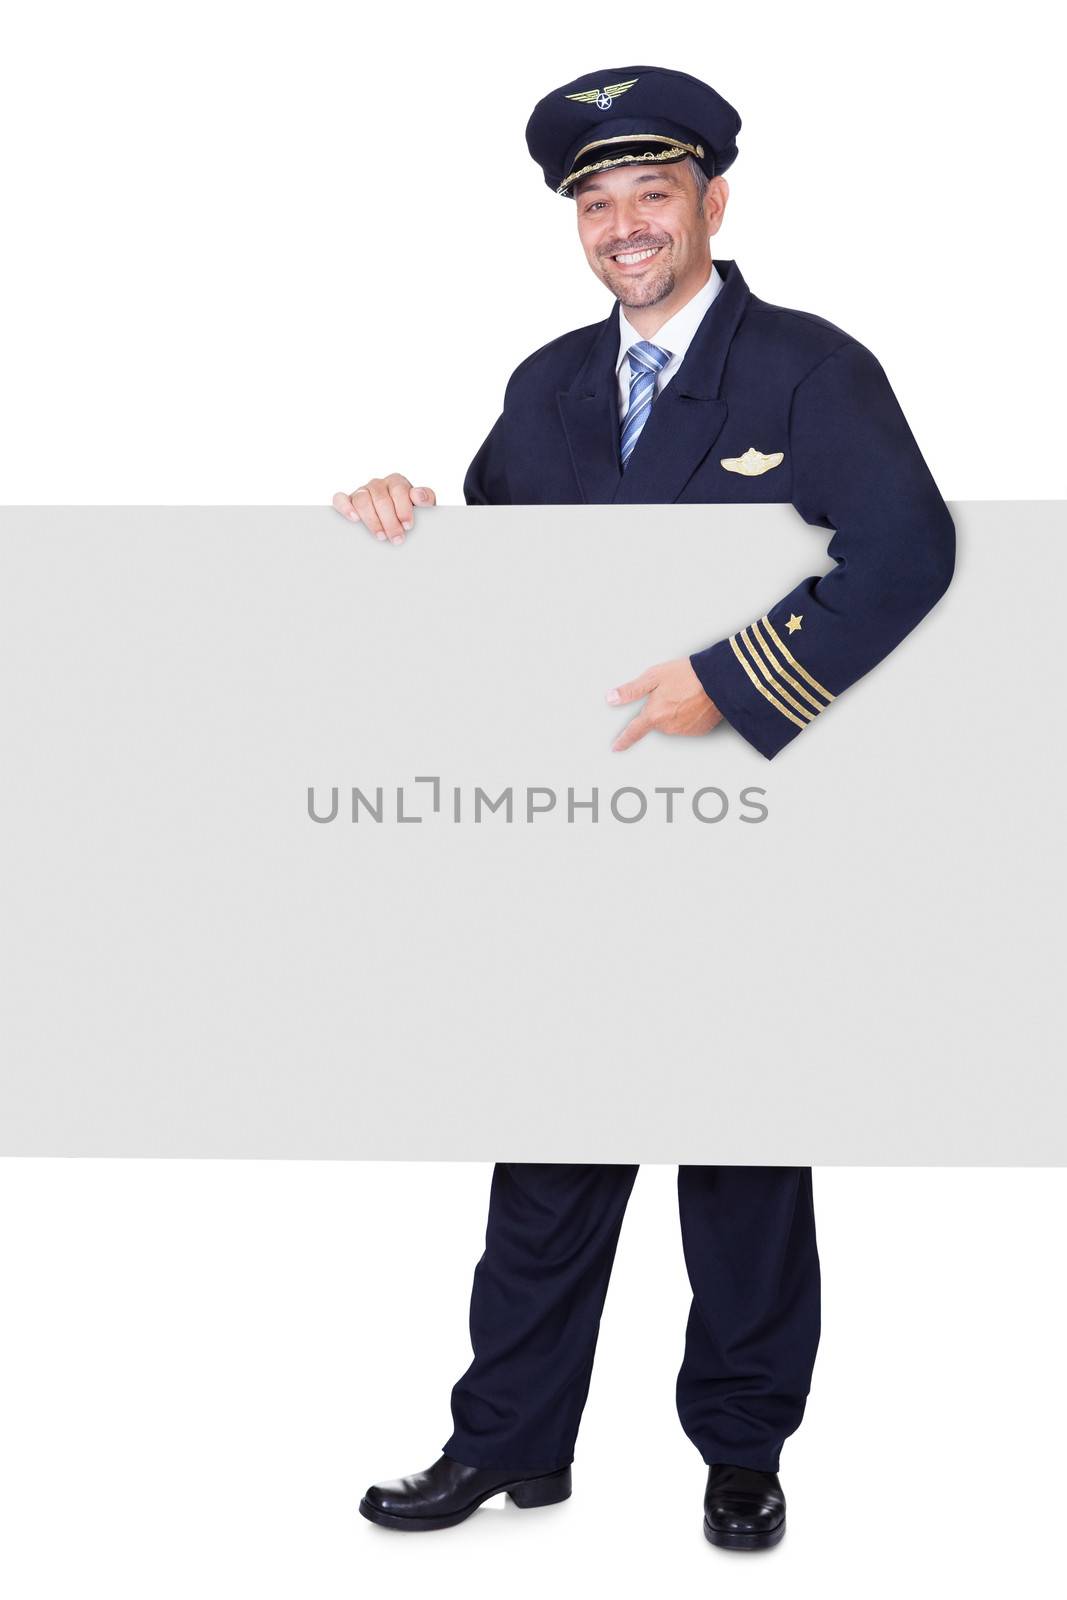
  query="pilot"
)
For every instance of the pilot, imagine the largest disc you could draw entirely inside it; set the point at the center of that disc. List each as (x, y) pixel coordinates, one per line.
(692, 389)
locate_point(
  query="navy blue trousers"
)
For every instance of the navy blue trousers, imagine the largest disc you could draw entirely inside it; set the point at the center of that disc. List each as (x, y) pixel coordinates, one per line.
(748, 1234)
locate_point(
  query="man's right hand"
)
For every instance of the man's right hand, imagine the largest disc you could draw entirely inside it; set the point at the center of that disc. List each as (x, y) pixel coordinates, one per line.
(385, 506)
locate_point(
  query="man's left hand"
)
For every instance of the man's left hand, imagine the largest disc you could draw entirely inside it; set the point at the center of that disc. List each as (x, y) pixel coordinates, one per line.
(676, 703)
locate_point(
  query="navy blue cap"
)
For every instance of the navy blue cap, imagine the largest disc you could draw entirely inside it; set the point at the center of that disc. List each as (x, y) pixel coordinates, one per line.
(630, 115)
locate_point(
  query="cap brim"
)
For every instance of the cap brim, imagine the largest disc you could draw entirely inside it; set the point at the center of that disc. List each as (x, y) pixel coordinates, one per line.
(637, 154)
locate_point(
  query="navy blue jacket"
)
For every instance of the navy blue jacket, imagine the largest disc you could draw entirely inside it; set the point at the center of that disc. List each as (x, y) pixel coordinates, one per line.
(801, 395)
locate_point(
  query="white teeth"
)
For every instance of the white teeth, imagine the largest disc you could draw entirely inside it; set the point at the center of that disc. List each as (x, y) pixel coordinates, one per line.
(637, 255)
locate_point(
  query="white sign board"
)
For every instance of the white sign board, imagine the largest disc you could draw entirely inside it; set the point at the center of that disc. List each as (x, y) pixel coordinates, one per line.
(852, 954)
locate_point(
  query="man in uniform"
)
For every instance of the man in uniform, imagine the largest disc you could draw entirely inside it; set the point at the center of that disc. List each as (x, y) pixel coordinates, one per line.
(692, 389)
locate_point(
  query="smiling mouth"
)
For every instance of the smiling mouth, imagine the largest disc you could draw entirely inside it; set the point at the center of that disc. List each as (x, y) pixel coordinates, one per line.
(633, 258)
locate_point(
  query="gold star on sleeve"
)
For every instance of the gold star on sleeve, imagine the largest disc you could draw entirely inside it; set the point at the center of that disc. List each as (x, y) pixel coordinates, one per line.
(776, 674)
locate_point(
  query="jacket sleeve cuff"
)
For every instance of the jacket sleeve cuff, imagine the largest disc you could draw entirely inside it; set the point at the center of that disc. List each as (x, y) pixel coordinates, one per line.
(758, 715)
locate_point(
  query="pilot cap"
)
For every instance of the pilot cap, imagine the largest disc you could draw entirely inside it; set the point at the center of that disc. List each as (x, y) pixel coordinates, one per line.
(630, 115)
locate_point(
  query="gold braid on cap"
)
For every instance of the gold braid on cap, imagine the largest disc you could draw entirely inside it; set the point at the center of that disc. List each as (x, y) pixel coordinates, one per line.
(672, 154)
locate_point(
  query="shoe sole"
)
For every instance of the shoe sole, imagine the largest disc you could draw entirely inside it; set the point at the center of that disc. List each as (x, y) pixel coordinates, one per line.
(527, 1494)
(743, 1541)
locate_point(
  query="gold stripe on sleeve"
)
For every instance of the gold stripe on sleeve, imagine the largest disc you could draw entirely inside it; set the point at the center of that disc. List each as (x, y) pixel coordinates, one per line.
(815, 684)
(781, 671)
(772, 682)
(777, 704)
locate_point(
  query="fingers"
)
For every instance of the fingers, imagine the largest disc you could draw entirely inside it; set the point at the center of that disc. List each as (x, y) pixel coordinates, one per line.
(635, 729)
(385, 506)
(636, 689)
(626, 694)
(398, 489)
(376, 510)
(343, 504)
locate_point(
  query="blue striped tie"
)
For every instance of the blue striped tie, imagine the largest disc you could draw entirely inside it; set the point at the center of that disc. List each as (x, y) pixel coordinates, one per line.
(647, 361)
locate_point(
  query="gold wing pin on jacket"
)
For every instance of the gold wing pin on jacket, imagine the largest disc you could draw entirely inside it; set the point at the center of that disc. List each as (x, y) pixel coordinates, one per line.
(753, 462)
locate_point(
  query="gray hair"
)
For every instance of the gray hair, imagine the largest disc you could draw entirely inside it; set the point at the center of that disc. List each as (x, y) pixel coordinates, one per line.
(700, 178)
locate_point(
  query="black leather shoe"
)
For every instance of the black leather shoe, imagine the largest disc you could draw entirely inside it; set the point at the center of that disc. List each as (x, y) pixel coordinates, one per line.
(448, 1492)
(743, 1509)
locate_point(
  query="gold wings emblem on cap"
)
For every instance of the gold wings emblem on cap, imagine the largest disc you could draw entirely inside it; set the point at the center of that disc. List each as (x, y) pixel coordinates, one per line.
(603, 97)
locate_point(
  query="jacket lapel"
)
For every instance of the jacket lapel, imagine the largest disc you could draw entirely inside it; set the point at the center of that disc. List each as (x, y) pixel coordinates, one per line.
(688, 415)
(589, 410)
(685, 420)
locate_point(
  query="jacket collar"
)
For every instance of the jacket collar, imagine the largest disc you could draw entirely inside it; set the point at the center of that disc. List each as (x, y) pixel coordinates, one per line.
(678, 330)
(685, 420)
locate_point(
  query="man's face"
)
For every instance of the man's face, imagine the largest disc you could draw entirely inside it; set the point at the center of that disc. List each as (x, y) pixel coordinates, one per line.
(629, 211)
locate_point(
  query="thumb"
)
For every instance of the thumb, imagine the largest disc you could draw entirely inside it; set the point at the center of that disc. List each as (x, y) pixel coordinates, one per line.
(636, 689)
(424, 497)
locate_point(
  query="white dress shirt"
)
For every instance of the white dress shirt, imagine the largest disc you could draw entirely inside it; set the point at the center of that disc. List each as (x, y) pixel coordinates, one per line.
(675, 335)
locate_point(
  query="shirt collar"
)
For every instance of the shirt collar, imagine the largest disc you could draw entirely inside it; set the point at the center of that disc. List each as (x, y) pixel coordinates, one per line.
(677, 332)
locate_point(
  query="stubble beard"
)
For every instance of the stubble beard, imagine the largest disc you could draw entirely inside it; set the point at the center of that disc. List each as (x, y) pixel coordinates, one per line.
(648, 290)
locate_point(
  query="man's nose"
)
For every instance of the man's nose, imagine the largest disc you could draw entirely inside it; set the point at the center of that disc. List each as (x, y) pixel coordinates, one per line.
(630, 223)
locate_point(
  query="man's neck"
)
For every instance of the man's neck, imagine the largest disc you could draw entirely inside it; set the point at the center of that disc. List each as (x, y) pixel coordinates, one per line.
(648, 320)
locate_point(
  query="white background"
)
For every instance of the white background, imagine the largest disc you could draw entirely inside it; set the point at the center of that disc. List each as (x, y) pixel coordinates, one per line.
(267, 251)
(263, 252)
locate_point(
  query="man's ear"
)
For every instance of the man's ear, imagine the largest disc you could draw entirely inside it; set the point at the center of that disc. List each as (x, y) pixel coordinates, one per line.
(715, 198)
